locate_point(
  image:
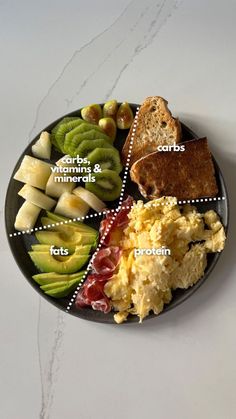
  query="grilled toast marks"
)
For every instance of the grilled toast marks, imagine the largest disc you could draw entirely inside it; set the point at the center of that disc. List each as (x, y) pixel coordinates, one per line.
(188, 174)
(155, 126)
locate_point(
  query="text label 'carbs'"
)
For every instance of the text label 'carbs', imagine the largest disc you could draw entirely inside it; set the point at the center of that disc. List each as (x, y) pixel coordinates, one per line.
(171, 147)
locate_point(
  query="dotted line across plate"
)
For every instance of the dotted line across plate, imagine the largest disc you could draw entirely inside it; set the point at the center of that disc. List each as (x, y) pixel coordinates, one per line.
(114, 216)
(91, 261)
(187, 201)
(128, 158)
(100, 214)
(54, 224)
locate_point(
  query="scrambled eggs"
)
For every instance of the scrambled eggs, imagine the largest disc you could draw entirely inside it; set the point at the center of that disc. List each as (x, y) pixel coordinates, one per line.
(144, 283)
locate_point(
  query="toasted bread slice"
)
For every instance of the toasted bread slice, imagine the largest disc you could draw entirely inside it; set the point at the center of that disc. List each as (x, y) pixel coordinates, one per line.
(185, 174)
(155, 126)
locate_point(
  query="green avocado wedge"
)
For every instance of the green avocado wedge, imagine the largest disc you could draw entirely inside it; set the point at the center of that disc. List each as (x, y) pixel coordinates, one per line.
(55, 285)
(40, 247)
(53, 277)
(45, 262)
(60, 218)
(58, 239)
(67, 231)
(61, 291)
(51, 238)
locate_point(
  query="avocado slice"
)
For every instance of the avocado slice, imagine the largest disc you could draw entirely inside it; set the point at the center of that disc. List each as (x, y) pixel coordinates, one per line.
(53, 277)
(41, 247)
(67, 226)
(67, 241)
(63, 291)
(45, 262)
(60, 218)
(54, 285)
(79, 250)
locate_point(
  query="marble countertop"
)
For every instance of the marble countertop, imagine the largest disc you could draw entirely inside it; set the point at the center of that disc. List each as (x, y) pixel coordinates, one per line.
(56, 57)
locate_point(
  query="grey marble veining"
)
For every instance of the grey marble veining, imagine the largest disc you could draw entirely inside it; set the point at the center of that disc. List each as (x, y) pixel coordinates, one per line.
(131, 32)
(49, 350)
(126, 37)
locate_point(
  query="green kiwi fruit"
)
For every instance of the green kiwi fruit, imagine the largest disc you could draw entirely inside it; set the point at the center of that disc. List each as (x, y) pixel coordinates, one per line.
(54, 130)
(107, 158)
(63, 129)
(107, 186)
(87, 146)
(92, 134)
(84, 127)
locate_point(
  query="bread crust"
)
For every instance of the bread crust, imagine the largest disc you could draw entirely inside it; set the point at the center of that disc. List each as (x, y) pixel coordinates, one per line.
(188, 174)
(155, 126)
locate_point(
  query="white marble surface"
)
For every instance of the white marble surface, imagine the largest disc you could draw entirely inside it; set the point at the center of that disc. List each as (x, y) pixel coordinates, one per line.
(55, 57)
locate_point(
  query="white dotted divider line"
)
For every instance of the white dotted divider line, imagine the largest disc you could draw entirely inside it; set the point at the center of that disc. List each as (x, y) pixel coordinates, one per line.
(112, 219)
(128, 158)
(99, 214)
(91, 261)
(187, 201)
(190, 201)
(54, 224)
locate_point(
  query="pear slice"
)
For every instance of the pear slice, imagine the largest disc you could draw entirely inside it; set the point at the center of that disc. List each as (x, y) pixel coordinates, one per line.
(34, 172)
(26, 216)
(42, 147)
(36, 197)
(90, 198)
(56, 189)
(72, 206)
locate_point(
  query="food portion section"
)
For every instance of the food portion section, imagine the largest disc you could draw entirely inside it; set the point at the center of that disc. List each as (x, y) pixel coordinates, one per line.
(155, 126)
(164, 248)
(163, 162)
(61, 254)
(185, 174)
(106, 262)
(152, 249)
(70, 174)
(88, 160)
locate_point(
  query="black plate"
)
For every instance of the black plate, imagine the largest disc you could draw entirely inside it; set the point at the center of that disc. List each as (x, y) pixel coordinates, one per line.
(21, 244)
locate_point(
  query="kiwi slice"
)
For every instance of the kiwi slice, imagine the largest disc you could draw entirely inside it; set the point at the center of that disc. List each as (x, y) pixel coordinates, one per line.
(62, 131)
(107, 158)
(80, 129)
(87, 146)
(107, 186)
(92, 134)
(54, 130)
